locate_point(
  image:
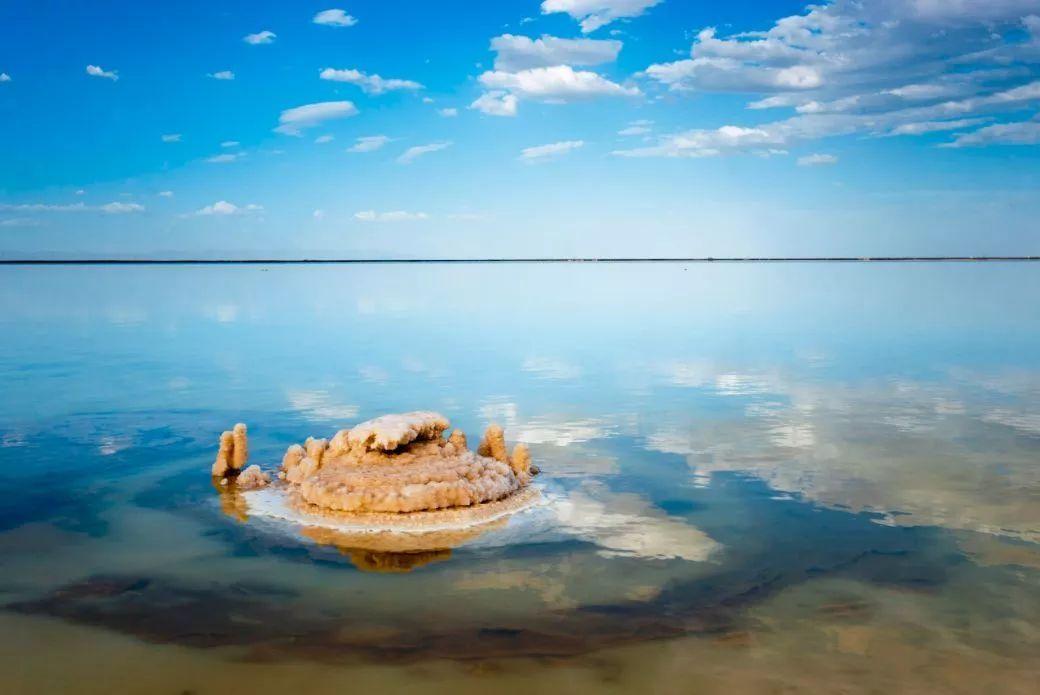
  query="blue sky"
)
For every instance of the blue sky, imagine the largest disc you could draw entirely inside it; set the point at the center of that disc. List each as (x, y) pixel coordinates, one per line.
(563, 127)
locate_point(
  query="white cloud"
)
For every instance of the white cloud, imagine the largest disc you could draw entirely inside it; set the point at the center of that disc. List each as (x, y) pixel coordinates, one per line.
(370, 84)
(121, 208)
(550, 368)
(292, 121)
(225, 157)
(419, 150)
(171, 137)
(223, 208)
(922, 127)
(392, 216)
(19, 221)
(43, 207)
(521, 53)
(4, 77)
(260, 38)
(320, 406)
(1019, 133)
(369, 143)
(110, 208)
(322, 139)
(847, 67)
(448, 113)
(709, 143)
(594, 14)
(223, 75)
(625, 524)
(166, 194)
(555, 149)
(636, 128)
(96, 71)
(557, 83)
(496, 103)
(229, 143)
(334, 18)
(812, 160)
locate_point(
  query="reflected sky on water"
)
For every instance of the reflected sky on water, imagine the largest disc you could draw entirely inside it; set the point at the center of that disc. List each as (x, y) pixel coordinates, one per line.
(740, 462)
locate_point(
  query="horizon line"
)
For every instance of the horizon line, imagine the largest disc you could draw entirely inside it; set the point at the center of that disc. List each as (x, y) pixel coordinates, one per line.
(587, 259)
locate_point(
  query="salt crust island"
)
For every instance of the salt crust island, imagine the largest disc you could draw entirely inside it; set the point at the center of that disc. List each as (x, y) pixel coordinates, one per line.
(393, 471)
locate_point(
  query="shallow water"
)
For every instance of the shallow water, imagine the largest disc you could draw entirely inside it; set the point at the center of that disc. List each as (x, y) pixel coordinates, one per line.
(756, 478)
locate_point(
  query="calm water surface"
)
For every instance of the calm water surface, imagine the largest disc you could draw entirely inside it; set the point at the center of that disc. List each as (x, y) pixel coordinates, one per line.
(757, 478)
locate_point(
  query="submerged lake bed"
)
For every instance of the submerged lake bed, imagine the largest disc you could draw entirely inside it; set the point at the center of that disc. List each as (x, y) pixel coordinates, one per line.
(755, 477)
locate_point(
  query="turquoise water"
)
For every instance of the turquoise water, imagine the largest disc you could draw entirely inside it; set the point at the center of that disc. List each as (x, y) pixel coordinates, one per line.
(755, 477)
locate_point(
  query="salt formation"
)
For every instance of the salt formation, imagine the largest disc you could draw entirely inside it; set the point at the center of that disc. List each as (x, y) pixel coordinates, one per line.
(252, 478)
(403, 463)
(231, 460)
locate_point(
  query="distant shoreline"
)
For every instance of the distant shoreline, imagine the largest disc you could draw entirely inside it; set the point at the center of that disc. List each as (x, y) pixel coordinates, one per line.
(377, 261)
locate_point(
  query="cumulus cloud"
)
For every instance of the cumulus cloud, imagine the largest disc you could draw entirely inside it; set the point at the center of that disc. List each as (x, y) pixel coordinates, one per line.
(814, 160)
(171, 137)
(293, 121)
(555, 149)
(370, 84)
(593, 14)
(369, 143)
(260, 37)
(4, 77)
(322, 139)
(413, 153)
(448, 113)
(223, 75)
(166, 194)
(522, 53)
(496, 103)
(97, 71)
(224, 208)
(334, 18)
(556, 83)
(392, 216)
(849, 67)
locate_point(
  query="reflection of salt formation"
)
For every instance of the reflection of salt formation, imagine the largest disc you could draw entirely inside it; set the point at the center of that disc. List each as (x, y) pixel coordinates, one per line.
(402, 463)
(231, 459)
(387, 551)
(232, 502)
